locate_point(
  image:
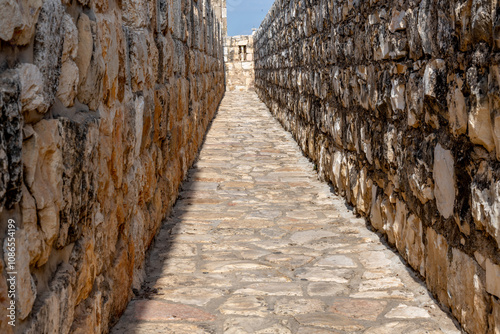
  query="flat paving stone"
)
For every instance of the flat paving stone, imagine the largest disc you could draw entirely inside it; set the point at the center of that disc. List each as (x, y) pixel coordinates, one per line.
(257, 244)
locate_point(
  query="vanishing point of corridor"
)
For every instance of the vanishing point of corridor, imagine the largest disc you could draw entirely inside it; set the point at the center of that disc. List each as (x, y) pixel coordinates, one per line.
(256, 244)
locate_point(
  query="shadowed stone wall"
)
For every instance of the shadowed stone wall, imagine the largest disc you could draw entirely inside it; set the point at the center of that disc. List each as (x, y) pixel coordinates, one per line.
(397, 103)
(103, 106)
(238, 57)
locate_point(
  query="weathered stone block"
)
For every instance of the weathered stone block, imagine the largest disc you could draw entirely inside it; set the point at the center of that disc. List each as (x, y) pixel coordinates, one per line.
(49, 45)
(436, 266)
(480, 127)
(47, 184)
(135, 13)
(415, 99)
(427, 25)
(85, 46)
(467, 297)
(56, 314)
(398, 95)
(463, 14)
(10, 19)
(435, 84)
(34, 105)
(492, 278)
(457, 112)
(10, 139)
(494, 102)
(444, 180)
(481, 21)
(90, 84)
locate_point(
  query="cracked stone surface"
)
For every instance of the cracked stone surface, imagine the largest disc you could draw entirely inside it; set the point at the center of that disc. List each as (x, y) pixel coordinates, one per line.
(257, 244)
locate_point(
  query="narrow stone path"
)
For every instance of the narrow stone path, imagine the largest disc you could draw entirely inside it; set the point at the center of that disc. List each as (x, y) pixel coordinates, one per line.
(256, 244)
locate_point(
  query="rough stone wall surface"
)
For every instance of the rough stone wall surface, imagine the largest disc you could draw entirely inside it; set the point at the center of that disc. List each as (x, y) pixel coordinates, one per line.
(398, 104)
(220, 10)
(103, 106)
(238, 57)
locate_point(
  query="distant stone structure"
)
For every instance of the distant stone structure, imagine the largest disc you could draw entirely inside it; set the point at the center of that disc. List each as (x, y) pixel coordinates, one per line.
(238, 57)
(398, 104)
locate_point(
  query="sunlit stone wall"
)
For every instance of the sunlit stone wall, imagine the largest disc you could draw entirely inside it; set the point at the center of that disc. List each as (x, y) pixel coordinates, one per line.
(238, 57)
(398, 104)
(103, 106)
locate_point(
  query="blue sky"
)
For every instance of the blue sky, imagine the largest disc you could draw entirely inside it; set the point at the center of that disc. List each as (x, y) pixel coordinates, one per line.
(243, 15)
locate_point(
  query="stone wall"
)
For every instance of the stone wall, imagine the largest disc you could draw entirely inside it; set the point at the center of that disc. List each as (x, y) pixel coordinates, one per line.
(398, 104)
(238, 57)
(103, 106)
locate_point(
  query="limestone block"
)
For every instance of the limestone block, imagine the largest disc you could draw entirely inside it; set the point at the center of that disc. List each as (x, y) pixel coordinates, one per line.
(10, 19)
(111, 37)
(480, 127)
(47, 185)
(492, 278)
(445, 30)
(466, 292)
(414, 41)
(398, 21)
(85, 45)
(33, 102)
(365, 144)
(444, 180)
(382, 49)
(68, 83)
(56, 314)
(436, 265)
(70, 44)
(84, 260)
(496, 134)
(457, 112)
(434, 84)
(29, 9)
(161, 15)
(463, 14)
(486, 208)
(481, 22)
(375, 211)
(135, 13)
(167, 55)
(34, 245)
(139, 125)
(10, 139)
(388, 216)
(48, 46)
(336, 168)
(90, 85)
(398, 95)
(390, 142)
(25, 284)
(494, 101)
(415, 100)
(399, 225)
(85, 321)
(426, 17)
(414, 243)
(421, 185)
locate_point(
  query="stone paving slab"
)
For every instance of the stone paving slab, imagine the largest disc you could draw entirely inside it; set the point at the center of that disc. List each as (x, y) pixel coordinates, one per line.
(256, 244)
